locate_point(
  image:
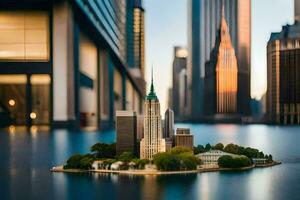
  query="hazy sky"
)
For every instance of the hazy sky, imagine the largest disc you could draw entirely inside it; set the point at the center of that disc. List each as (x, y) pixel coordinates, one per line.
(166, 27)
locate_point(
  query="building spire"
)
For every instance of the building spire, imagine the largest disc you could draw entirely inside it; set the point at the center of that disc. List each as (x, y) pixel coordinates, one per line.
(152, 94)
(223, 10)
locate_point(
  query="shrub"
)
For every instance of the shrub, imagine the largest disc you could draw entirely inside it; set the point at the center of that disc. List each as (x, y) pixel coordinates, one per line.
(234, 162)
(179, 150)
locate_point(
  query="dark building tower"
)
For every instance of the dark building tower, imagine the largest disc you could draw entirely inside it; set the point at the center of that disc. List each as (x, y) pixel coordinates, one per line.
(179, 64)
(169, 124)
(221, 83)
(126, 130)
(283, 93)
(204, 22)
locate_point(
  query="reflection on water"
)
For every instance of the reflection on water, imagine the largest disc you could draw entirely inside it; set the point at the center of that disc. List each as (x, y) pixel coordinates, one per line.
(27, 155)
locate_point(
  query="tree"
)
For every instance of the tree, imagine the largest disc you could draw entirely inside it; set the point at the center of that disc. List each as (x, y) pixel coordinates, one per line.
(125, 157)
(188, 161)
(199, 149)
(207, 147)
(270, 158)
(232, 148)
(166, 161)
(140, 163)
(86, 163)
(73, 162)
(179, 150)
(103, 150)
(219, 146)
(234, 162)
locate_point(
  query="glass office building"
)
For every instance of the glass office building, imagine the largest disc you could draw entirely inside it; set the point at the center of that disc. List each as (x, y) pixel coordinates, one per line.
(64, 64)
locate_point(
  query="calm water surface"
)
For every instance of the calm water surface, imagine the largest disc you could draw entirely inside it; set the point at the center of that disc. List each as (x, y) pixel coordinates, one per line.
(25, 160)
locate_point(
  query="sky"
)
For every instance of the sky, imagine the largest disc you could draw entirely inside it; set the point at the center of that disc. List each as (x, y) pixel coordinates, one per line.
(166, 27)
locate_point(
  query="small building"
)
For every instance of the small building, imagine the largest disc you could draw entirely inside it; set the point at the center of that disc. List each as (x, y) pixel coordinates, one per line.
(98, 164)
(116, 165)
(211, 157)
(259, 161)
(183, 138)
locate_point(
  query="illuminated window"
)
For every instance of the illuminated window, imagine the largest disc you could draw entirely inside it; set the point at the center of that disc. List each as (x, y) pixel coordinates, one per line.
(24, 35)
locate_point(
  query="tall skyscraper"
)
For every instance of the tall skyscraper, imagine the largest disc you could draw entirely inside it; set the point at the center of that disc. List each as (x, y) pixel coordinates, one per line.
(179, 63)
(221, 73)
(153, 142)
(169, 124)
(183, 95)
(204, 21)
(126, 130)
(283, 93)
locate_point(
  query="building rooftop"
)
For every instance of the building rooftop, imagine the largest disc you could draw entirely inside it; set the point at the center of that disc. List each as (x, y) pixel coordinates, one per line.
(151, 95)
(288, 32)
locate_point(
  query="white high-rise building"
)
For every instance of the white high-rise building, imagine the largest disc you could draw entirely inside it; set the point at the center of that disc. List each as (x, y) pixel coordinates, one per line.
(153, 142)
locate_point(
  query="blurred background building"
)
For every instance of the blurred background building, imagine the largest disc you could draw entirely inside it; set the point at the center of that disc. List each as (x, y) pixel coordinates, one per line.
(70, 63)
(283, 93)
(203, 23)
(179, 83)
(221, 83)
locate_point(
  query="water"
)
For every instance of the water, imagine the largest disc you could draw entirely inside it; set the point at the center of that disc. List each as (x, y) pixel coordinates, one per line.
(25, 160)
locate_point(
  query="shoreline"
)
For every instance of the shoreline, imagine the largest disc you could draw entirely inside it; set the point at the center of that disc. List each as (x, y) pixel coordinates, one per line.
(157, 172)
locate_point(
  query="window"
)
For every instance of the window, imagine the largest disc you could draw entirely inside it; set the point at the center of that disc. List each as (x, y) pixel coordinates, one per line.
(24, 35)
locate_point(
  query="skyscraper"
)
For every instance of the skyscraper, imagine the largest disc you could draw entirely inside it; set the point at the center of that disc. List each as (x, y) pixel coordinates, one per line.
(283, 92)
(153, 142)
(179, 63)
(183, 138)
(169, 124)
(203, 24)
(221, 73)
(297, 10)
(126, 130)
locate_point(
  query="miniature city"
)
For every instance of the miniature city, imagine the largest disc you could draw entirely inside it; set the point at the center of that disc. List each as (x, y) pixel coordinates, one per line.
(142, 147)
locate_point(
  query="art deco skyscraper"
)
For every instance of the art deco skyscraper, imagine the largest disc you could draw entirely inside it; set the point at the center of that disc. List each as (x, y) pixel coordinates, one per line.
(153, 142)
(221, 82)
(203, 24)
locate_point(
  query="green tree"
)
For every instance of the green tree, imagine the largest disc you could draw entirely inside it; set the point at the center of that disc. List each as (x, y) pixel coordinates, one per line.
(103, 150)
(166, 161)
(199, 149)
(73, 162)
(207, 147)
(125, 157)
(86, 163)
(179, 150)
(234, 162)
(219, 146)
(232, 148)
(188, 161)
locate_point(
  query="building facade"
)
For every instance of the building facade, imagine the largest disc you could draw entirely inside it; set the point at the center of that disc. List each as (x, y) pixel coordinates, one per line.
(297, 10)
(203, 24)
(179, 64)
(63, 63)
(126, 132)
(183, 138)
(169, 124)
(221, 76)
(283, 92)
(153, 141)
(212, 156)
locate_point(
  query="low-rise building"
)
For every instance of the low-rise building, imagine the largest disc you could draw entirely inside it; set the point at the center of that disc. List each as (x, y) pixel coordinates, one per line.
(211, 157)
(183, 138)
(259, 161)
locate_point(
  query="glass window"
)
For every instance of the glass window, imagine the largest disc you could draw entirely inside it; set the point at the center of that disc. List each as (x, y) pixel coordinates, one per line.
(24, 35)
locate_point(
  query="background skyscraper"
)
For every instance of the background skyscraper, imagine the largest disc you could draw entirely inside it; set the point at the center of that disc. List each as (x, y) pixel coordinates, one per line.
(221, 76)
(297, 10)
(169, 124)
(179, 63)
(204, 20)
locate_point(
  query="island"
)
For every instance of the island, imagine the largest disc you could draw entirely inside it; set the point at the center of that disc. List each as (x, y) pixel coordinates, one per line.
(177, 160)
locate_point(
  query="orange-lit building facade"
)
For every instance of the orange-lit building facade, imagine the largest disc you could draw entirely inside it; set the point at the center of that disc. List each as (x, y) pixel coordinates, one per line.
(221, 81)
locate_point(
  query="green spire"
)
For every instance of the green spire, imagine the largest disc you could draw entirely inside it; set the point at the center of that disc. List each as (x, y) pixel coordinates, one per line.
(152, 94)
